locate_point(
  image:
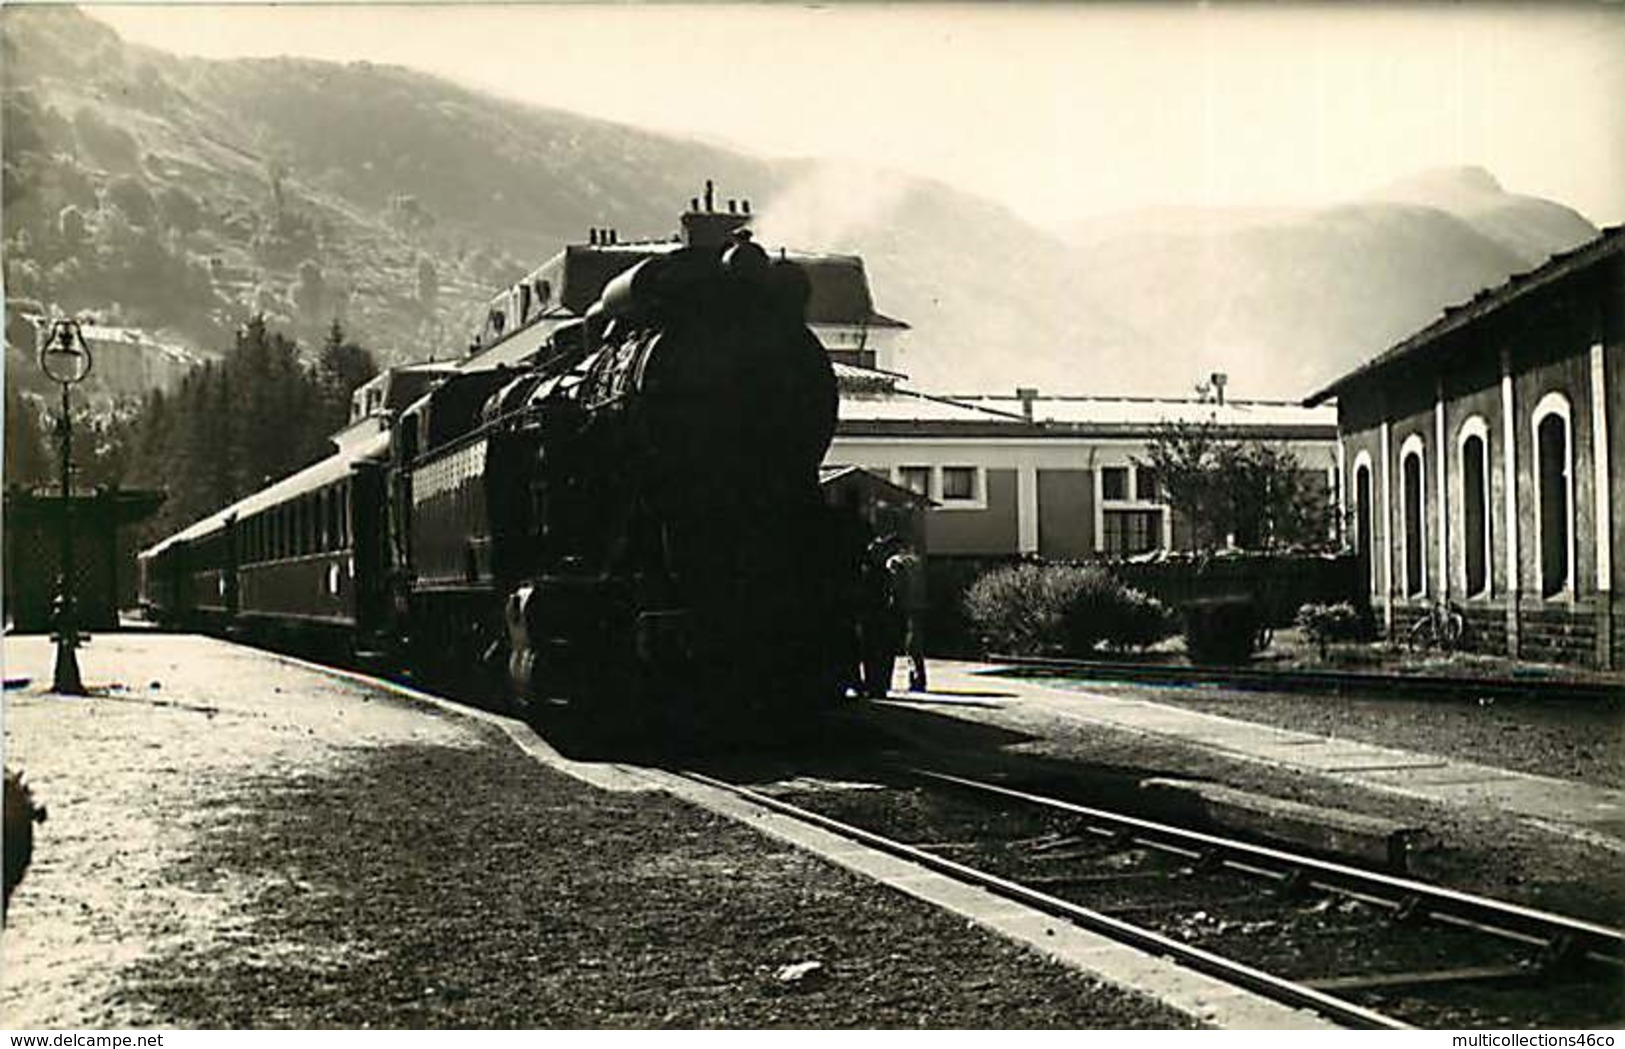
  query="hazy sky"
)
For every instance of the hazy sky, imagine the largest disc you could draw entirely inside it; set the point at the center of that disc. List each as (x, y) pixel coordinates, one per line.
(1055, 110)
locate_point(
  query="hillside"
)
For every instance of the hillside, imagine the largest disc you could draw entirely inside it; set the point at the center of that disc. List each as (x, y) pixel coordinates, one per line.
(182, 195)
(1285, 299)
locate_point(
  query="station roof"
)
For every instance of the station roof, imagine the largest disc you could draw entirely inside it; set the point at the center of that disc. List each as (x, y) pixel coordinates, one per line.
(576, 276)
(1146, 412)
(1609, 244)
(875, 402)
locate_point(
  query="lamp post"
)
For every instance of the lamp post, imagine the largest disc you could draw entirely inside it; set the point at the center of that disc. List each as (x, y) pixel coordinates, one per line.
(65, 359)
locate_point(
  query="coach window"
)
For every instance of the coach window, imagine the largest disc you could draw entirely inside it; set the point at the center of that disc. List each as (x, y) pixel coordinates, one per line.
(344, 515)
(1475, 506)
(1411, 471)
(1554, 494)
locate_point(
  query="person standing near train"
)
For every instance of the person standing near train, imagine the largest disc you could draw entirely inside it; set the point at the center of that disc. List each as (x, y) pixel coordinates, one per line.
(880, 618)
(907, 571)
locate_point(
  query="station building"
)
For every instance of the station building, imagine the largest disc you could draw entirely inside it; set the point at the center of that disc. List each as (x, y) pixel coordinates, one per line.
(1482, 453)
(1056, 476)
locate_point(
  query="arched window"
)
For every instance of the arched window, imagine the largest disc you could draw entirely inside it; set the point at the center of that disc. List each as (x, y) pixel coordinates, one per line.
(1554, 494)
(1364, 541)
(1412, 469)
(1474, 441)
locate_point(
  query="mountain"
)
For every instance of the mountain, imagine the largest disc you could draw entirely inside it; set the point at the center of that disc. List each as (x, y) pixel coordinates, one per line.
(183, 194)
(1286, 299)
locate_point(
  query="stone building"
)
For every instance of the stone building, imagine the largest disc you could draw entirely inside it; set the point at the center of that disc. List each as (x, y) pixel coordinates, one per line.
(1481, 455)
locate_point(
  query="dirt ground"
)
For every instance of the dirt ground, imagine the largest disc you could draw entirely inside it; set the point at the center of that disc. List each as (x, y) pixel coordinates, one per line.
(236, 842)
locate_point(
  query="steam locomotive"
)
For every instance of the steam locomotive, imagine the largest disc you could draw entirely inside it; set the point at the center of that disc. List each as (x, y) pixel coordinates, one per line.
(625, 531)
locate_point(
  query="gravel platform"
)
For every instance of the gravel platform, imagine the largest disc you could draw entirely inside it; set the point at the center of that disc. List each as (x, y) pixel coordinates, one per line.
(236, 842)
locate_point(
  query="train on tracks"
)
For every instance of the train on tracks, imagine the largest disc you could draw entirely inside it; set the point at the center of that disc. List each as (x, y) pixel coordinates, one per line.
(626, 530)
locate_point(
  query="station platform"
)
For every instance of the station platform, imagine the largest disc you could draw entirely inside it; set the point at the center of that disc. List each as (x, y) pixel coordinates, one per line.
(239, 840)
(992, 695)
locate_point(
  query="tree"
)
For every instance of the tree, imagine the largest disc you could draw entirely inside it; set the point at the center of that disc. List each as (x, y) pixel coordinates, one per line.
(130, 196)
(341, 368)
(428, 286)
(1235, 493)
(310, 294)
(181, 211)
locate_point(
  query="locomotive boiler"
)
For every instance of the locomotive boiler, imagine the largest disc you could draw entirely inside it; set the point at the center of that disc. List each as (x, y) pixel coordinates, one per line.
(625, 533)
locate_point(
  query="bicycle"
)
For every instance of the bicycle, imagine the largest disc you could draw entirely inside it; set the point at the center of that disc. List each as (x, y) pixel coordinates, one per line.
(1441, 626)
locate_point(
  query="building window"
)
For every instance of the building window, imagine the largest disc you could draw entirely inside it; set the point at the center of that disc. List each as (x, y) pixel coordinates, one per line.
(958, 482)
(1364, 541)
(1412, 471)
(916, 479)
(1475, 504)
(1554, 494)
(1146, 483)
(1114, 482)
(1130, 532)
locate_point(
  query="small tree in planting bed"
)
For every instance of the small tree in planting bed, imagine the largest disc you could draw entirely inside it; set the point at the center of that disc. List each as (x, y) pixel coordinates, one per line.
(1246, 494)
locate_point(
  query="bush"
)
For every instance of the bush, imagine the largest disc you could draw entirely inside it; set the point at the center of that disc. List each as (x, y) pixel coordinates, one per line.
(1222, 629)
(1033, 609)
(1016, 609)
(1326, 623)
(1139, 620)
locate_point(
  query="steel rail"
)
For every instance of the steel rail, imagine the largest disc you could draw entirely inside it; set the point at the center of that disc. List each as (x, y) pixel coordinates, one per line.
(1233, 972)
(1497, 917)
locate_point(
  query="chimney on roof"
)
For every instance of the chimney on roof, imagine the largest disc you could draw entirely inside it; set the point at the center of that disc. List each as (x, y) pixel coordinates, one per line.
(614, 235)
(745, 205)
(592, 235)
(1027, 395)
(709, 228)
(1219, 380)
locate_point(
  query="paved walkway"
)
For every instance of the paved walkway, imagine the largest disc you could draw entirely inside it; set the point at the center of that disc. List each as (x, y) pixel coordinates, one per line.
(1596, 813)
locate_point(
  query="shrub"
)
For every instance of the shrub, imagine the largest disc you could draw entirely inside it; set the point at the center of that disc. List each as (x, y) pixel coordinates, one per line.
(1221, 629)
(1016, 609)
(1031, 609)
(1138, 621)
(1326, 623)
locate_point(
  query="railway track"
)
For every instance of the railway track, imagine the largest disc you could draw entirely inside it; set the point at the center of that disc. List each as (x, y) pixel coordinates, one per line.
(1362, 948)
